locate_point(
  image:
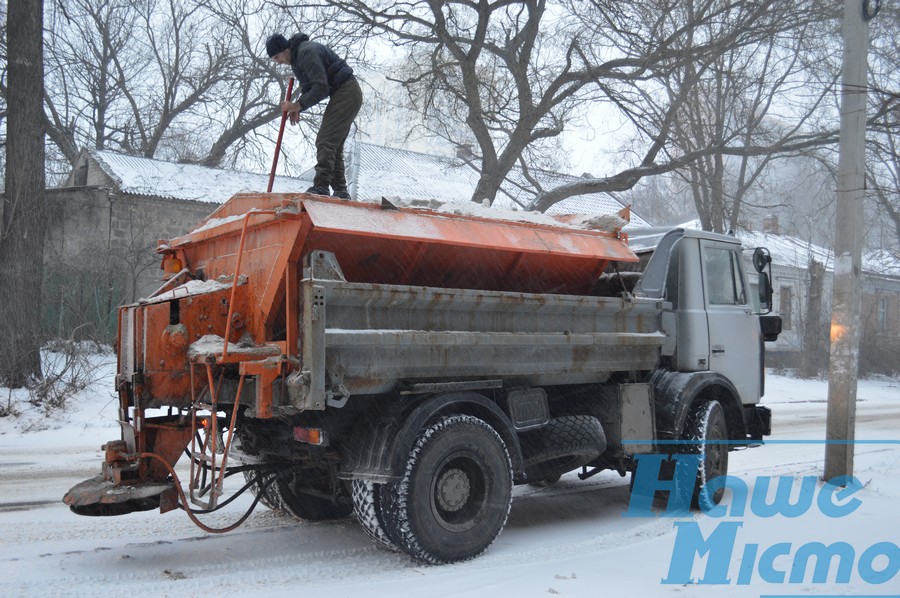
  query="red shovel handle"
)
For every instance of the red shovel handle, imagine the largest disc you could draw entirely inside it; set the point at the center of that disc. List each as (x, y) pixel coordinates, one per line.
(287, 98)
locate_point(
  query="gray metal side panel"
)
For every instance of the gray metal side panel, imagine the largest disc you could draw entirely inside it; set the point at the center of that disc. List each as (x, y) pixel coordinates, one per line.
(378, 335)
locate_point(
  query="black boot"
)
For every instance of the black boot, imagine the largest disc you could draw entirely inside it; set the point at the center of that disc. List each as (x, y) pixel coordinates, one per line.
(317, 190)
(341, 193)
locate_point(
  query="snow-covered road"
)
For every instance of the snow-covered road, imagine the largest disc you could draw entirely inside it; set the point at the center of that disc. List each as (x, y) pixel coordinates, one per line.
(569, 539)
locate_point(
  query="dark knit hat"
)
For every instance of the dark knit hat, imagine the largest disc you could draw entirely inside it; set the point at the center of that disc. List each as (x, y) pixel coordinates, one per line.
(276, 44)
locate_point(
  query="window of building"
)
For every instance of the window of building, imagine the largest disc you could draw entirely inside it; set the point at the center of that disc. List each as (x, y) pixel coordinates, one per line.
(81, 175)
(882, 312)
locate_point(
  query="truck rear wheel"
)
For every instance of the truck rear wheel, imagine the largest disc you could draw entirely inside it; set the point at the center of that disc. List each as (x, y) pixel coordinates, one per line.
(707, 434)
(310, 494)
(455, 493)
(264, 487)
(367, 508)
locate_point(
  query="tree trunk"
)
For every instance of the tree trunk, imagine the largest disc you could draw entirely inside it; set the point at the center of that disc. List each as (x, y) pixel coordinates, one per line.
(24, 212)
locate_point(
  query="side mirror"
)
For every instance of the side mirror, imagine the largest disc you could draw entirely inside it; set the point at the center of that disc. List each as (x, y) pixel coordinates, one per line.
(761, 260)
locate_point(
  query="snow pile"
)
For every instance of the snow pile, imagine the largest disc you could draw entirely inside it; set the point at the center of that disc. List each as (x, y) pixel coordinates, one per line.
(214, 222)
(191, 287)
(602, 222)
(93, 406)
(212, 344)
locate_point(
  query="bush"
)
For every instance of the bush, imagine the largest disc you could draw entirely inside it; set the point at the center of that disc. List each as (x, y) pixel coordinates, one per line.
(9, 410)
(68, 370)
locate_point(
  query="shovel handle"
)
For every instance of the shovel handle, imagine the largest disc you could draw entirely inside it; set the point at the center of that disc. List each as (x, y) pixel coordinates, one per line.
(287, 98)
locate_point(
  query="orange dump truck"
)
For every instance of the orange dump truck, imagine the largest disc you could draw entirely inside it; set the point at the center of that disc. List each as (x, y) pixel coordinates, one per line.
(412, 365)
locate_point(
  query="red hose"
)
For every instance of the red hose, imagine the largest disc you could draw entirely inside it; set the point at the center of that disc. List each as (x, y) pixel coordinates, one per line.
(287, 98)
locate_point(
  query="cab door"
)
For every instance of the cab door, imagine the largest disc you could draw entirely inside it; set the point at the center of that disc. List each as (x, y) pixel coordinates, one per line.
(735, 339)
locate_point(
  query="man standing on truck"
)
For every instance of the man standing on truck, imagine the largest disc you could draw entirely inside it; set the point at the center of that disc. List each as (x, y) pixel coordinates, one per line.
(321, 73)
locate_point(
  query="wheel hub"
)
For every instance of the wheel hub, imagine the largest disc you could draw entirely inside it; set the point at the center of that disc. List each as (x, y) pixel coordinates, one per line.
(453, 490)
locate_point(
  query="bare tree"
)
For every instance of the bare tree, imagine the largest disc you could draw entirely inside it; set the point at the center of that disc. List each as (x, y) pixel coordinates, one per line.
(749, 97)
(710, 114)
(511, 72)
(23, 212)
(174, 79)
(517, 73)
(883, 140)
(253, 90)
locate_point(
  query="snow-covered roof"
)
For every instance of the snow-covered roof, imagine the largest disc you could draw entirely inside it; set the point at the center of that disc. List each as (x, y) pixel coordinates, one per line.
(796, 253)
(394, 173)
(787, 250)
(145, 176)
(377, 171)
(883, 261)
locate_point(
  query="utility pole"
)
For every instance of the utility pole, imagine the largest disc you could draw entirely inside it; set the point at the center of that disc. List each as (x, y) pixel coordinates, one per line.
(843, 362)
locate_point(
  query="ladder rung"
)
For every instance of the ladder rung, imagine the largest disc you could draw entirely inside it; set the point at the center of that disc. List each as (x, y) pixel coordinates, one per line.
(202, 457)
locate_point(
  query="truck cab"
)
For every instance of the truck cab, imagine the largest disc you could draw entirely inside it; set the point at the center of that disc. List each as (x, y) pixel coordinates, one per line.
(717, 321)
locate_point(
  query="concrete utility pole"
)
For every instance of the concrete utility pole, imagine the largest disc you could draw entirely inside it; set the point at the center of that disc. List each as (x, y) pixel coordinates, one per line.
(843, 363)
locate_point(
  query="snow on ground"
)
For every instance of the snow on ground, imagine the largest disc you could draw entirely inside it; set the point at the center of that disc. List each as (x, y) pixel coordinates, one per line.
(568, 539)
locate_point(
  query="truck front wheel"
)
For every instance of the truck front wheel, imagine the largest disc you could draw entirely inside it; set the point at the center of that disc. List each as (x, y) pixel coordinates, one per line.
(706, 434)
(455, 493)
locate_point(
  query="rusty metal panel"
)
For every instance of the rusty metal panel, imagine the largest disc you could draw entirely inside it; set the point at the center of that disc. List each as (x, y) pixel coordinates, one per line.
(461, 230)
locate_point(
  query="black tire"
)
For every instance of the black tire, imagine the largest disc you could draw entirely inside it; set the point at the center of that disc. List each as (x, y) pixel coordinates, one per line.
(454, 497)
(309, 494)
(367, 508)
(706, 433)
(265, 488)
(564, 444)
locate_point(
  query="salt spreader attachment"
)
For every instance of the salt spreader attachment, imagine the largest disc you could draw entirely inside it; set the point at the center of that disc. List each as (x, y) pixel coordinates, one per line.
(414, 298)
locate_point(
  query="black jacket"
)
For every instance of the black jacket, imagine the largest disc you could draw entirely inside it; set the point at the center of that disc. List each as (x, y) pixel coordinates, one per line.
(318, 69)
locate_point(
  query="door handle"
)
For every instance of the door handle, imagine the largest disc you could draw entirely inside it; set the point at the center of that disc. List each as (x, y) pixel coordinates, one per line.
(718, 349)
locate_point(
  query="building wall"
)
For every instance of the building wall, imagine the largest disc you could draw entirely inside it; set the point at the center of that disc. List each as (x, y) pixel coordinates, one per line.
(793, 284)
(879, 321)
(101, 253)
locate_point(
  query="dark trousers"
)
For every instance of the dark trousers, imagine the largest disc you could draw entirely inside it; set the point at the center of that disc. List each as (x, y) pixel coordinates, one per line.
(342, 108)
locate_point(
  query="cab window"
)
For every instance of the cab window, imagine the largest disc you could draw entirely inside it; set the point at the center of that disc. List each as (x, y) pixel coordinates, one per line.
(723, 277)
